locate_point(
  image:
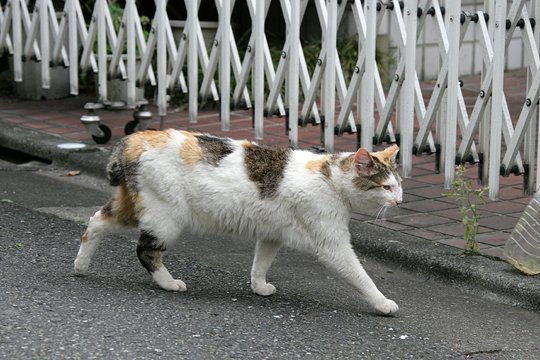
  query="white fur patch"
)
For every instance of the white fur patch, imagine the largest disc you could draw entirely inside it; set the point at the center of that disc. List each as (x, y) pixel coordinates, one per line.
(397, 191)
(163, 278)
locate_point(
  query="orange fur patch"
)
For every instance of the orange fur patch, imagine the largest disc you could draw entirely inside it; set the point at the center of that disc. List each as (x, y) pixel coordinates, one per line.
(385, 156)
(320, 165)
(188, 133)
(246, 144)
(138, 142)
(85, 237)
(124, 208)
(190, 151)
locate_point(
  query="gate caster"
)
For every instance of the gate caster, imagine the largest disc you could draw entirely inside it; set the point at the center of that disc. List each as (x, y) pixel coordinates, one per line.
(130, 127)
(91, 121)
(141, 119)
(105, 137)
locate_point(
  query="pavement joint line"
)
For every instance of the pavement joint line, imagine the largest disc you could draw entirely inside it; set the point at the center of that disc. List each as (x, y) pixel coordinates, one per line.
(419, 255)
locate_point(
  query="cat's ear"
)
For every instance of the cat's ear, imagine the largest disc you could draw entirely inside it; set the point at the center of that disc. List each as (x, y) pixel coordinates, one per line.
(391, 153)
(363, 163)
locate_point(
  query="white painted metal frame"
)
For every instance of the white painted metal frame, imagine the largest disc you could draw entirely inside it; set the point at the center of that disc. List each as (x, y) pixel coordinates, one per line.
(367, 106)
(41, 37)
(530, 105)
(358, 78)
(497, 97)
(406, 120)
(449, 147)
(428, 115)
(535, 12)
(225, 64)
(258, 71)
(227, 58)
(330, 74)
(70, 26)
(283, 67)
(5, 39)
(17, 18)
(294, 69)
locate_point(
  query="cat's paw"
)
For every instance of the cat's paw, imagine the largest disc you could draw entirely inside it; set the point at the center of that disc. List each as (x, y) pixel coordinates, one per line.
(80, 266)
(264, 290)
(163, 278)
(174, 285)
(387, 307)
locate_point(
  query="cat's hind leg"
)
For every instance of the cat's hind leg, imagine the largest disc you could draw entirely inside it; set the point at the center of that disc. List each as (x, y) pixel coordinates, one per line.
(118, 214)
(100, 225)
(265, 253)
(150, 251)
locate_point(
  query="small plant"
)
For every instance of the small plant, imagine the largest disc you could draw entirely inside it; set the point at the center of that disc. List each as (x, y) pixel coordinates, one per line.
(467, 197)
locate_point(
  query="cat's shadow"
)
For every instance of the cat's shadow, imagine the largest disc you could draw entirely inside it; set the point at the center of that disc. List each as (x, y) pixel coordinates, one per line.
(302, 282)
(206, 293)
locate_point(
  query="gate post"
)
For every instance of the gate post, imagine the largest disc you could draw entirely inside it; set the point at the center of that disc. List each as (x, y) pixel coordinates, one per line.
(193, 66)
(368, 79)
(292, 77)
(406, 119)
(330, 76)
(499, 47)
(453, 28)
(225, 64)
(258, 76)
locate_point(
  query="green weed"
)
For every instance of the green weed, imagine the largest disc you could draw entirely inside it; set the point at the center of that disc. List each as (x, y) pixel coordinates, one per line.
(467, 198)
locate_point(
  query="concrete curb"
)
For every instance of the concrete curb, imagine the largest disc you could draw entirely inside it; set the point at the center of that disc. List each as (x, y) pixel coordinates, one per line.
(91, 159)
(477, 273)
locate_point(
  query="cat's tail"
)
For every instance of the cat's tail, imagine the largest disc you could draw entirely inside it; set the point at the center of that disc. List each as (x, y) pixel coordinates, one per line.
(115, 167)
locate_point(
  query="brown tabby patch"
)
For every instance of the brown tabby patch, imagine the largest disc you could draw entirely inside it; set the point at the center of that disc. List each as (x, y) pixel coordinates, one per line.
(115, 166)
(265, 167)
(150, 251)
(371, 182)
(382, 173)
(346, 163)
(214, 148)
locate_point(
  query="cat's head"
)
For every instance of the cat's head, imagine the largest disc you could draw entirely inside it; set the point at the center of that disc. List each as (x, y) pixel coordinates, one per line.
(375, 177)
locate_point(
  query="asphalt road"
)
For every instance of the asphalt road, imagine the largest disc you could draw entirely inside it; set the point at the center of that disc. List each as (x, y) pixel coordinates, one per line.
(117, 313)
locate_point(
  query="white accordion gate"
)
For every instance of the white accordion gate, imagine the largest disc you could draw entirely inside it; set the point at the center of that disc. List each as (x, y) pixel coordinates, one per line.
(442, 124)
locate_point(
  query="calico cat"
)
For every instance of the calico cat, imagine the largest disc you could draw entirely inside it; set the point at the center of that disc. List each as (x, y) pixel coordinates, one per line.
(169, 182)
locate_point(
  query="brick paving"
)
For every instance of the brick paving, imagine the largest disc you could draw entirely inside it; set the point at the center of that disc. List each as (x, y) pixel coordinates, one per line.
(426, 212)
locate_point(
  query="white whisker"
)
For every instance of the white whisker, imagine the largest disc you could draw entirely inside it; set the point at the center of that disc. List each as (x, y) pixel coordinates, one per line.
(381, 213)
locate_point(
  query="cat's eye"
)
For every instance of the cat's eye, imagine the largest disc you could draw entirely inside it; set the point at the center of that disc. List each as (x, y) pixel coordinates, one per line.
(387, 187)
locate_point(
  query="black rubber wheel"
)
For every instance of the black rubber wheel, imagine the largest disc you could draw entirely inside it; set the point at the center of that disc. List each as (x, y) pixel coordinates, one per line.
(106, 135)
(130, 127)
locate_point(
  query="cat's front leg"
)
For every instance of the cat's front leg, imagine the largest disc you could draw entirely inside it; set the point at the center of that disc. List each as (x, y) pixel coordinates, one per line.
(342, 259)
(265, 253)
